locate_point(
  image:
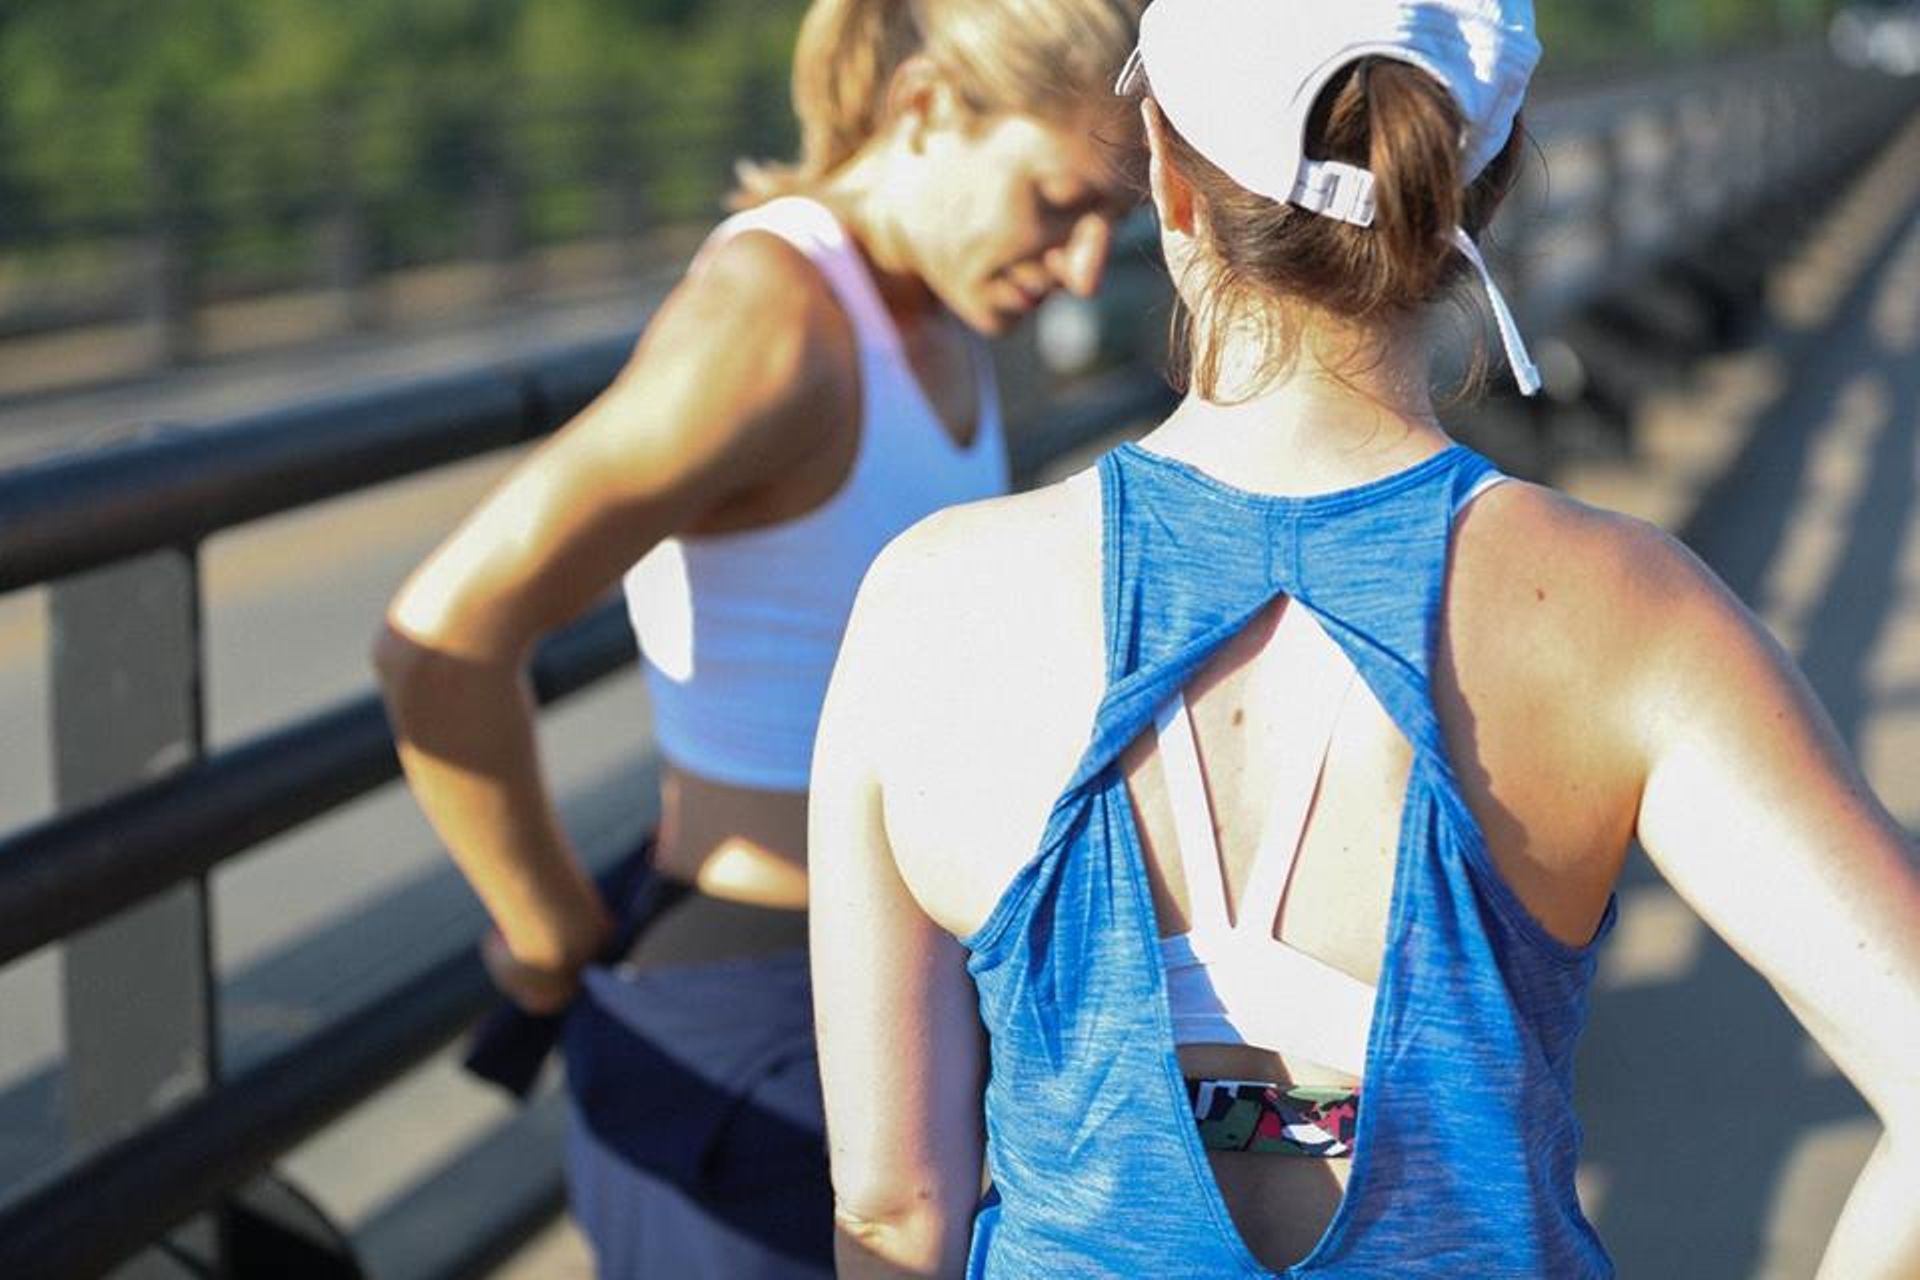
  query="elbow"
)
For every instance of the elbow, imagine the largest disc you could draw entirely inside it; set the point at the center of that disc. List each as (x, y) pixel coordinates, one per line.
(389, 653)
(867, 1236)
(399, 659)
(905, 1227)
(415, 668)
(401, 674)
(431, 680)
(885, 1246)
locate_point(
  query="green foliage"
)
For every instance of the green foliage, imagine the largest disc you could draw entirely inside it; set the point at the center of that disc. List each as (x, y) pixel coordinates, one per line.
(248, 118)
(103, 103)
(1595, 34)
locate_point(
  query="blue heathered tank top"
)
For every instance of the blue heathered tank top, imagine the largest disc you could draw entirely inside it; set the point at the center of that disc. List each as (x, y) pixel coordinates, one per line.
(1467, 1141)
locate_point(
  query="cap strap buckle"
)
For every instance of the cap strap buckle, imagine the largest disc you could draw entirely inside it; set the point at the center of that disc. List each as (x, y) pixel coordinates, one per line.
(1335, 190)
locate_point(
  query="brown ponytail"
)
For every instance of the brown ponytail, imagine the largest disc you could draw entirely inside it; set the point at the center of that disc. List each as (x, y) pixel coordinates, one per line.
(1405, 127)
(1413, 131)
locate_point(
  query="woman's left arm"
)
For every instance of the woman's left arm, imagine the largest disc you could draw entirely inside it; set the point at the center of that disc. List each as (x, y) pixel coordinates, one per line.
(1758, 817)
(902, 1052)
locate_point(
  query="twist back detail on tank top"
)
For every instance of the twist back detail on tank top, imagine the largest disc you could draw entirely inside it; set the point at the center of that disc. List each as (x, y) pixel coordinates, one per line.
(1097, 1166)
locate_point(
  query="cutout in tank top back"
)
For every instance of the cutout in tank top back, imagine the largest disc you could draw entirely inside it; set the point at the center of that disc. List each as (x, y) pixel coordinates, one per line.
(1229, 979)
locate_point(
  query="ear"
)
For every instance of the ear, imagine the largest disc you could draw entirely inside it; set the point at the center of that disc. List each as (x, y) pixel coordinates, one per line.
(919, 98)
(1173, 197)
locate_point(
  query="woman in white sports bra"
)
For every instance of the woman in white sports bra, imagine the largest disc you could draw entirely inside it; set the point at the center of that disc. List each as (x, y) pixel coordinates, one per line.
(817, 384)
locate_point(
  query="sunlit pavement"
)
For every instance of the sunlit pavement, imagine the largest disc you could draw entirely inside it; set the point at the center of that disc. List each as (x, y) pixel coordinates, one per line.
(1720, 1140)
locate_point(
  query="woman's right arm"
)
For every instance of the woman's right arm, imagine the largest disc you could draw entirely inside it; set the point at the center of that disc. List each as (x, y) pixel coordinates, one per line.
(740, 374)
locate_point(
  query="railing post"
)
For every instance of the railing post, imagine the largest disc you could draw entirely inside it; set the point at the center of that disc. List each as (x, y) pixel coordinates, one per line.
(344, 226)
(138, 989)
(500, 204)
(168, 266)
(622, 166)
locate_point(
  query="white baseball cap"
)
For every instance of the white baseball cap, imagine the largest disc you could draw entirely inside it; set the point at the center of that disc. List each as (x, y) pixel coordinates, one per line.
(1239, 80)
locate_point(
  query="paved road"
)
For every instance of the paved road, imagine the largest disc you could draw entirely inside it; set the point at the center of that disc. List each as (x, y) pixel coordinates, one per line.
(1792, 467)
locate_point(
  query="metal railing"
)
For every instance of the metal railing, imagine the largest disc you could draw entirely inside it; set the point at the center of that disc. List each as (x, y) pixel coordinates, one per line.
(297, 202)
(149, 505)
(349, 216)
(1649, 172)
(120, 875)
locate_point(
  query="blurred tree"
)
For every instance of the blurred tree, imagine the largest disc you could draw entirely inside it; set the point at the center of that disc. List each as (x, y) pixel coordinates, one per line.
(1586, 33)
(86, 85)
(252, 107)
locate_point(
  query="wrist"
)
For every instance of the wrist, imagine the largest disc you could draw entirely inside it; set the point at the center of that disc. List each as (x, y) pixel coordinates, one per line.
(563, 942)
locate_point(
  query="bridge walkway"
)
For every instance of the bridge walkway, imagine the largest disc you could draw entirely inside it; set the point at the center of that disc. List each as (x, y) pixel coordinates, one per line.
(1791, 465)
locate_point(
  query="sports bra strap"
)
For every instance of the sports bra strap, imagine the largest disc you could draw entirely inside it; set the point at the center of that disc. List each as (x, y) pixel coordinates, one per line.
(1192, 818)
(1324, 676)
(1491, 480)
(813, 229)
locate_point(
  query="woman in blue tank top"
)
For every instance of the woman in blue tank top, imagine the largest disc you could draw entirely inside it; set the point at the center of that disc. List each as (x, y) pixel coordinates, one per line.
(817, 383)
(1297, 617)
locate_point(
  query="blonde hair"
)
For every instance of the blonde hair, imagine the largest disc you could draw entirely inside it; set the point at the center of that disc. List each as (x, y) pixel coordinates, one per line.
(1054, 60)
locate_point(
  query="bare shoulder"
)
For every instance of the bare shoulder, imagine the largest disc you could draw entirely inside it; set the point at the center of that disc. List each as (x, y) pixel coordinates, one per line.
(980, 580)
(744, 371)
(756, 301)
(977, 602)
(1542, 567)
(977, 643)
(759, 275)
(979, 560)
(1568, 632)
(1522, 535)
(1589, 618)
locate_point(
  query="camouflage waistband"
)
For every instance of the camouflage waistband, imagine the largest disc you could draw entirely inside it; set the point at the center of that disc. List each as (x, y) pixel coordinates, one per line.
(1273, 1119)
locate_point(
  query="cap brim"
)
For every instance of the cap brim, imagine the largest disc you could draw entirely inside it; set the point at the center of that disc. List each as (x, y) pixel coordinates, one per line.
(1133, 76)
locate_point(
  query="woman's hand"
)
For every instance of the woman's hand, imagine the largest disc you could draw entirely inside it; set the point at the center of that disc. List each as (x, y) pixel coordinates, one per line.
(541, 990)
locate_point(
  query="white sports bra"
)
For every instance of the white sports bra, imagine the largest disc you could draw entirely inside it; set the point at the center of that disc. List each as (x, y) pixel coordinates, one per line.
(738, 632)
(1231, 981)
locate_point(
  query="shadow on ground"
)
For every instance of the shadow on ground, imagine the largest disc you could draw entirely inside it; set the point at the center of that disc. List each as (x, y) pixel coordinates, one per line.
(1700, 1092)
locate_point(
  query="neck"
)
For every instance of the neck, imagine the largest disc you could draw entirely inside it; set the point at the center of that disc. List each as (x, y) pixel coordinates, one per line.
(865, 195)
(1341, 413)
